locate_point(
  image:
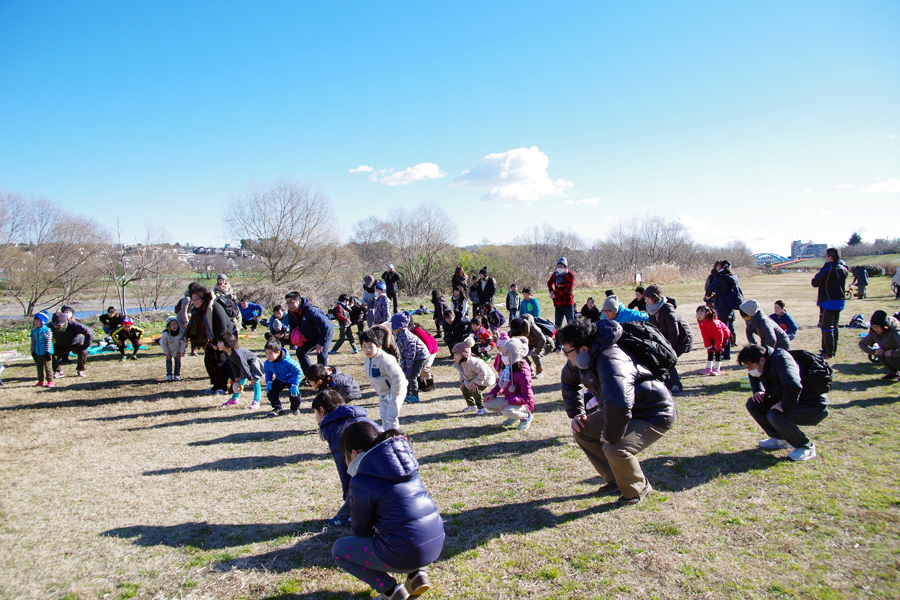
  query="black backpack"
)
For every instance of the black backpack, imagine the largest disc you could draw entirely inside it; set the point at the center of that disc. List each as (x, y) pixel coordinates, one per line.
(546, 326)
(816, 375)
(734, 298)
(230, 306)
(645, 344)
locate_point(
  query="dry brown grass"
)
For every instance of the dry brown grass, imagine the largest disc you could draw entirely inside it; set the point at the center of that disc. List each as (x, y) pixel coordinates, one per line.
(120, 486)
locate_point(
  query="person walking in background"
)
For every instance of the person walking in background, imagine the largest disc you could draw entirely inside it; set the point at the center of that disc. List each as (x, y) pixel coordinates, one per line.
(42, 349)
(529, 305)
(723, 291)
(440, 305)
(562, 289)
(512, 301)
(357, 315)
(784, 320)
(883, 341)
(673, 327)
(487, 287)
(831, 280)
(861, 281)
(392, 286)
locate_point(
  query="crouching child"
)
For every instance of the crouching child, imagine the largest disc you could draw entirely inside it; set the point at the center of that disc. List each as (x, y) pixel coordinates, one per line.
(514, 382)
(246, 369)
(384, 375)
(323, 378)
(475, 376)
(281, 371)
(128, 333)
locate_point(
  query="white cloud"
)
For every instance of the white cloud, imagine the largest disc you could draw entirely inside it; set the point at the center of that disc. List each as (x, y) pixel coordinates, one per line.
(845, 185)
(807, 190)
(362, 169)
(518, 174)
(593, 201)
(891, 186)
(701, 230)
(612, 218)
(821, 213)
(891, 136)
(416, 173)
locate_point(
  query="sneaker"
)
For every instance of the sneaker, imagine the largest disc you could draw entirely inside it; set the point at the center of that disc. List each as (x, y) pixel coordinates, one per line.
(295, 412)
(58, 374)
(80, 374)
(509, 421)
(715, 372)
(481, 412)
(773, 444)
(48, 384)
(39, 384)
(220, 392)
(333, 352)
(253, 406)
(676, 389)
(890, 375)
(337, 522)
(133, 357)
(800, 454)
(608, 489)
(208, 391)
(470, 409)
(168, 378)
(231, 402)
(623, 501)
(356, 351)
(526, 423)
(399, 593)
(122, 358)
(176, 378)
(276, 413)
(411, 399)
(417, 583)
(706, 372)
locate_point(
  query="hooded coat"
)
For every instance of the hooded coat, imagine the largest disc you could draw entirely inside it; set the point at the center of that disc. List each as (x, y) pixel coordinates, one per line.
(330, 429)
(674, 328)
(889, 340)
(173, 344)
(626, 390)
(388, 501)
(719, 288)
(284, 369)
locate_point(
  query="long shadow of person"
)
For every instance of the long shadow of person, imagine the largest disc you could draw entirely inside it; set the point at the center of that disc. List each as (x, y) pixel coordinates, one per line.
(680, 473)
(244, 463)
(211, 536)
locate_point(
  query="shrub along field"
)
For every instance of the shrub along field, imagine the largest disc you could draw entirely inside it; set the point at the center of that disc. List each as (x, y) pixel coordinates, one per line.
(123, 486)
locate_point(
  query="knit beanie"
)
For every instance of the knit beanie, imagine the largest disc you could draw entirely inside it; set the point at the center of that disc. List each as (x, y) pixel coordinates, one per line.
(277, 325)
(400, 320)
(655, 291)
(749, 307)
(68, 309)
(221, 276)
(483, 271)
(464, 348)
(517, 348)
(43, 317)
(502, 337)
(562, 261)
(879, 317)
(611, 303)
(517, 325)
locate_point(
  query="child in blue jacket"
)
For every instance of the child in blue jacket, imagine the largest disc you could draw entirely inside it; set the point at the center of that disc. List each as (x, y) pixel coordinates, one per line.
(396, 525)
(784, 320)
(333, 415)
(281, 371)
(42, 349)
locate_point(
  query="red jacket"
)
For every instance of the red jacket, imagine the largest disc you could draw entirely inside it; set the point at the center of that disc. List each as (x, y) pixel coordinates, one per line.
(714, 333)
(427, 339)
(564, 292)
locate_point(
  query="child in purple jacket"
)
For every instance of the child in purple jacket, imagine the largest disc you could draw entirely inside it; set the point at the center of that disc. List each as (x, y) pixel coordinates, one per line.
(514, 382)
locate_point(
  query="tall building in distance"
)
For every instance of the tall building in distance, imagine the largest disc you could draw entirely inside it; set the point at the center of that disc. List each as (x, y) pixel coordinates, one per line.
(808, 250)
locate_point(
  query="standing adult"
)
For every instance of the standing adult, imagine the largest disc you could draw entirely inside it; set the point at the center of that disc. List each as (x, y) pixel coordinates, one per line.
(487, 287)
(208, 321)
(70, 336)
(459, 279)
(310, 328)
(391, 280)
(883, 341)
(630, 409)
(832, 283)
(723, 291)
(673, 327)
(440, 305)
(861, 281)
(562, 290)
(368, 298)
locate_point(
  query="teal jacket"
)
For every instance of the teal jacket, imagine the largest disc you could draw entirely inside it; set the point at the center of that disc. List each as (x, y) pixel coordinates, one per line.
(530, 307)
(628, 315)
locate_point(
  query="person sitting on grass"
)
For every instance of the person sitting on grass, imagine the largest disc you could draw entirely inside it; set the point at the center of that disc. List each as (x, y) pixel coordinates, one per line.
(413, 354)
(396, 526)
(250, 314)
(42, 349)
(112, 320)
(784, 320)
(333, 415)
(128, 333)
(883, 341)
(384, 375)
(173, 345)
(323, 378)
(514, 382)
(758, 324)
(629, 410)
(716, 339)
(245, 367)
(281, 371)
(475, 376)
(779, 402)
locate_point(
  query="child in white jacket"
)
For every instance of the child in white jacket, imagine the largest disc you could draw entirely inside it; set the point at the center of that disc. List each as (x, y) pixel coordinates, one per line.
(173, 345)
(384, 375)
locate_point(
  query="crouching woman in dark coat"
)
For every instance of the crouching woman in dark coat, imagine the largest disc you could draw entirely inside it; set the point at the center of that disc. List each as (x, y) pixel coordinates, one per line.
(396, 525)
(630, 409)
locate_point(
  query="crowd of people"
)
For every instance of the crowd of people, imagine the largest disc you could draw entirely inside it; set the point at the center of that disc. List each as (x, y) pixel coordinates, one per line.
(618, 381)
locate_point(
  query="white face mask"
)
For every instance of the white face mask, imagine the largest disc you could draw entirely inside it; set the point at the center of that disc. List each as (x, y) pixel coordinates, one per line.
(560, 270)
(505, 359)
(755, 372)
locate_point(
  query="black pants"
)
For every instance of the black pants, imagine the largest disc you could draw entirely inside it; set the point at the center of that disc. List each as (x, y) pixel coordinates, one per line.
(782, 426)
(216, 363)
(274, 395)
(828, 323)
(251, 323)
(62, 352)
(135, 346)
(412, 382)
(394, 298)
(345, 334)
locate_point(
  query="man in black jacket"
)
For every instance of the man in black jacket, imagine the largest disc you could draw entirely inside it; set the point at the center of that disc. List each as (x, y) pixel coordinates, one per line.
(456, 328)
(70, 336)
(832, 283)
(630, 409)
(673, 327)
(779, 403)
(392, 282)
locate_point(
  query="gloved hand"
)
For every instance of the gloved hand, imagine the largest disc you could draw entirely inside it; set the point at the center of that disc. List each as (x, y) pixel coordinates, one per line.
(295, 390)
(268, 387)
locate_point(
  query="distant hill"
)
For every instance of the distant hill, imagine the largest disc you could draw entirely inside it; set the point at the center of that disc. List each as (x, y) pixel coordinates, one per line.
(871, 259)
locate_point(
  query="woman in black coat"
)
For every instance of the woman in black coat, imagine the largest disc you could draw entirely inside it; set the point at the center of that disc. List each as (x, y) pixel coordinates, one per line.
(719, 285)
(208, 321)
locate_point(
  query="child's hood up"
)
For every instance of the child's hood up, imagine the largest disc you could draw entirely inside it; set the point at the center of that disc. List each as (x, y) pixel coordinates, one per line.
(392, 460)
(168, 321)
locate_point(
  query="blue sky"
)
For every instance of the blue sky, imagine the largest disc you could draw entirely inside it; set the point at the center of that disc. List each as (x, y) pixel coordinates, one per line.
(764, 122)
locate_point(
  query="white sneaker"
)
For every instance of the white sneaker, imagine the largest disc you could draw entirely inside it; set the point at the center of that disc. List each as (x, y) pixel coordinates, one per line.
(168, 378)
(470, 409)
(774, 444)
(481, 412)
(800, 454)
(80, 374)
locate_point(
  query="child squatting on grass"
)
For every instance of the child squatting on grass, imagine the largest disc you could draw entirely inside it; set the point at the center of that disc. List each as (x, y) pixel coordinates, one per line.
(716, 339)
(174, 345)
(244, 366)
(396, 525)
(128, 333)
(514, 382)
(323, 378)
(384, 375)
(281, 371)
(333, 416)
(475, 376)
(42, 349)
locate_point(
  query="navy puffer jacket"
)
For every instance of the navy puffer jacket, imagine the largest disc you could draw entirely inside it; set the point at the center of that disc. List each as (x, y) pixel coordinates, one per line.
(389, 501)
(311, 322)
(330, 429)
(719, 288)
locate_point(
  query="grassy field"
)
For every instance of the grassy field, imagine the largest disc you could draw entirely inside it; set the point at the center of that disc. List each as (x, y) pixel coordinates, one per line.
(123, 486)
(883, 259)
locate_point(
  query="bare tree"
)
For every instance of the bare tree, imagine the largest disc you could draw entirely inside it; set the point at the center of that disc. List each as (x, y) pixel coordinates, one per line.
(52, 261)
(369, 241)
(162, 282)
(288, 226)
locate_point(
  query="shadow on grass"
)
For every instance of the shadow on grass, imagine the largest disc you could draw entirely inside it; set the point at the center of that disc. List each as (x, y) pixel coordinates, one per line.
(208, 536)
(257, 436)
(232, 416)
(866, 402)
(244, 463)
(495, 450)
(157, 413)
(89, 403)
(680, 473)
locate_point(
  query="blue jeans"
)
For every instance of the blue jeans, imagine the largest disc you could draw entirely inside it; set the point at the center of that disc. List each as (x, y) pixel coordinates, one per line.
(321, 357)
